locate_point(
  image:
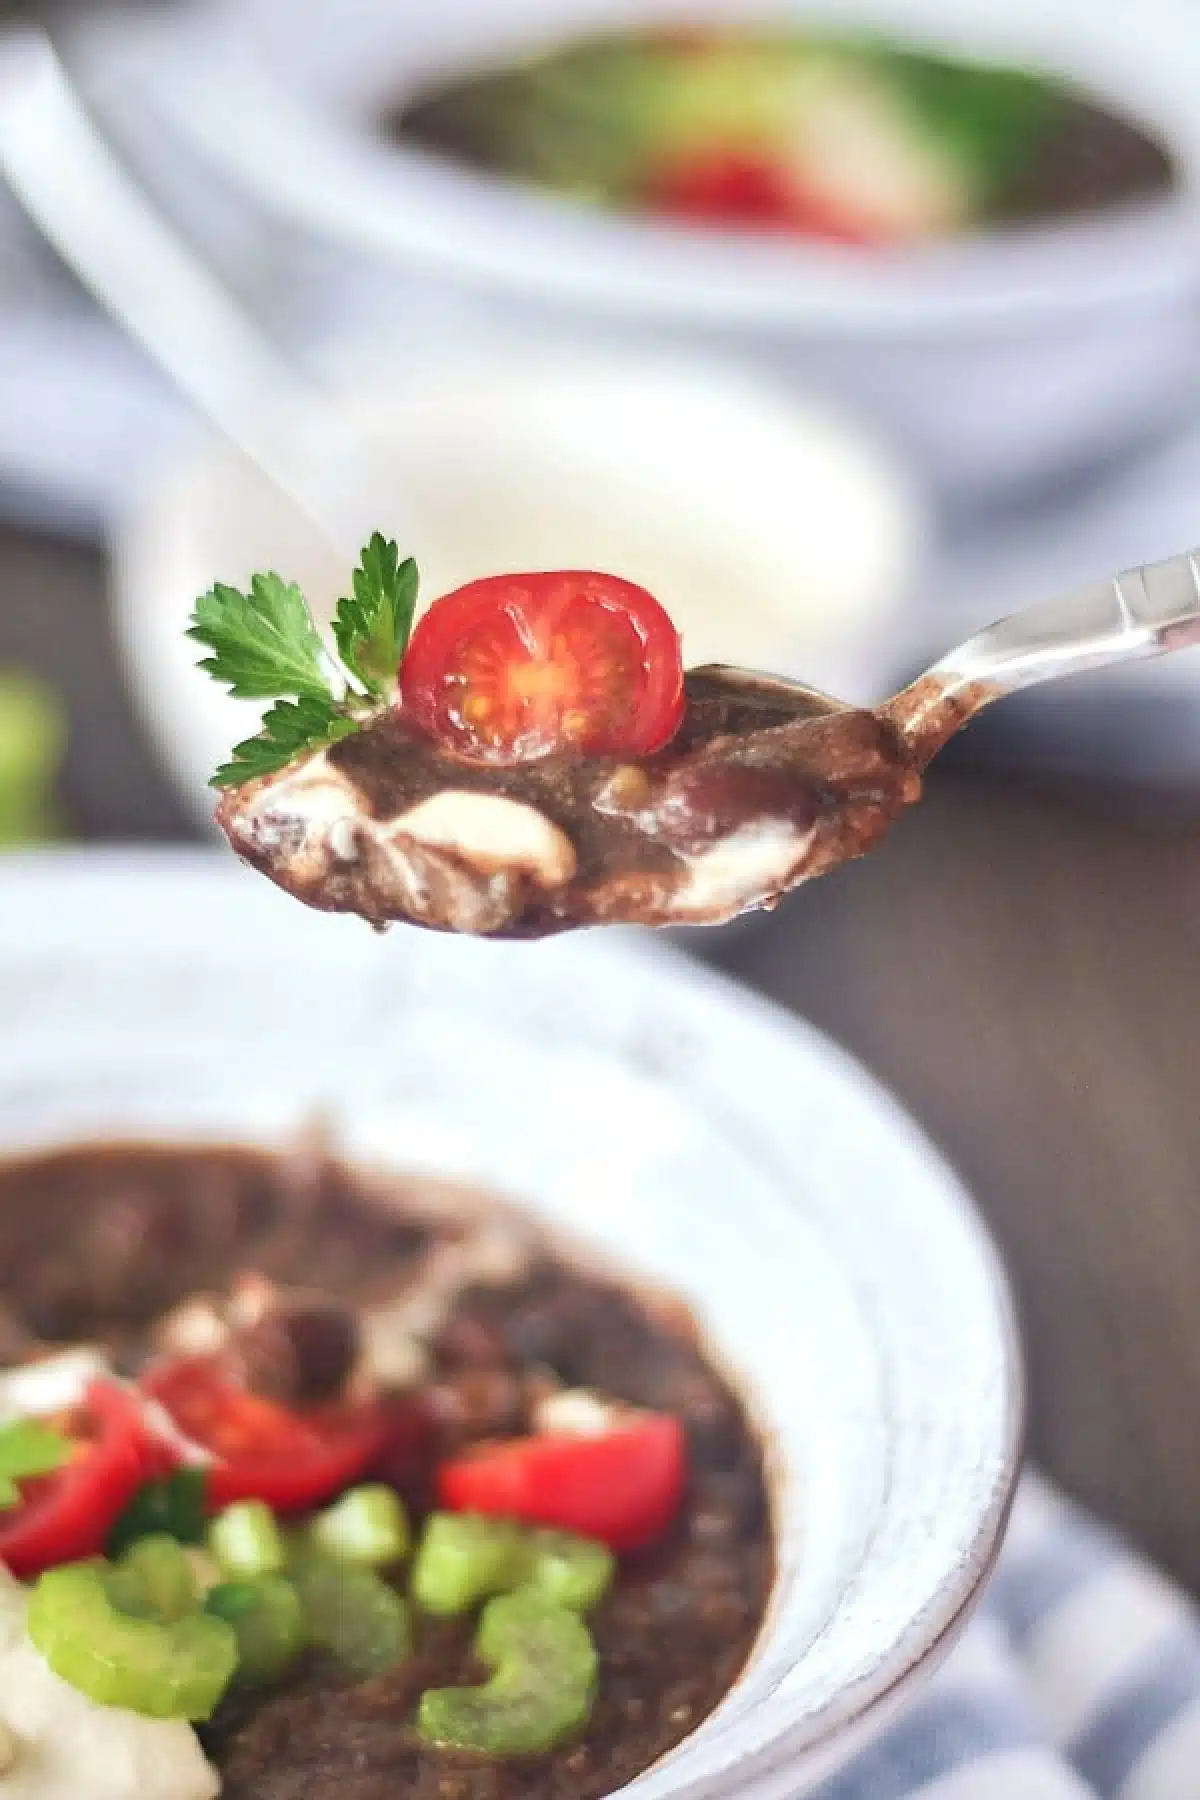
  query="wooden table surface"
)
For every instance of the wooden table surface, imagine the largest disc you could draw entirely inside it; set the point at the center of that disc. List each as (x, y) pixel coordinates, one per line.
(1022, 967)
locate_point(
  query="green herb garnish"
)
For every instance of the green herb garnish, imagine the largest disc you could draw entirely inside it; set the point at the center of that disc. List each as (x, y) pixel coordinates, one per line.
(291, 727)
(265, 645)
(372, 629)
(264, 642)
(28, 1448)
(174, 1507)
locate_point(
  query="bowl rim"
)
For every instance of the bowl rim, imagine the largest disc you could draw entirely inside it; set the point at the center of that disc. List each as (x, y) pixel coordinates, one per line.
(326, 171)
(50, 887)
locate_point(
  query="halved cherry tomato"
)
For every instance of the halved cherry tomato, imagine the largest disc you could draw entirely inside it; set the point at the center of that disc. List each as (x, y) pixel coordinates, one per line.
(68, 1515)
(624, 1487)
(516, 666)
(260, 1450)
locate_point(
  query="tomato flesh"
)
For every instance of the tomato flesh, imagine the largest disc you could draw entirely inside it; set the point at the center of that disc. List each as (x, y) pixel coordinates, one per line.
(749, 190)
(624, 1487)
(68, 1515)
(516, 667)
(259, 1450)
(723, 187)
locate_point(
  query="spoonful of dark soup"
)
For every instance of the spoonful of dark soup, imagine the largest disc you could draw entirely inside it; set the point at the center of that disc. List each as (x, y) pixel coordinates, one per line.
(531, 756)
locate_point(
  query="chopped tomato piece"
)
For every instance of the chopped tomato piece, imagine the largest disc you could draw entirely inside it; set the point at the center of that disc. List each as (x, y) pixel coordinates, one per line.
(748, 189)
(723, 187)
(259, 1449)
(517, 666)
(68, 1515)
(623, 1487)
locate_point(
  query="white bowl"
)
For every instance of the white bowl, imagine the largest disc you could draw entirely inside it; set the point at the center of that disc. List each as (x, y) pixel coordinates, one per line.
(995, 360)
(660, 1113)
(774, 533)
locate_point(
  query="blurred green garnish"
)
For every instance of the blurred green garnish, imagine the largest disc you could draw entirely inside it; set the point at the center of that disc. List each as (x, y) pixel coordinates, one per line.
(33, 735)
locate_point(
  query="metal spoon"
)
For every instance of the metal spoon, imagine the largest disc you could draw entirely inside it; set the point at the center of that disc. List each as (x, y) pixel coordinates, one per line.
(768, 785)
(1146, 611)
(95, 215)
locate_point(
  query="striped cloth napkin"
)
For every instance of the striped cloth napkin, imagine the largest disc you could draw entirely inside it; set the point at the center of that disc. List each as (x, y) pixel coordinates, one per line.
(1078, 1679)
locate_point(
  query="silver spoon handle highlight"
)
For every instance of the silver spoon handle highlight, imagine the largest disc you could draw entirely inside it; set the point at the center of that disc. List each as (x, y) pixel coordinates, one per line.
(1144, 612)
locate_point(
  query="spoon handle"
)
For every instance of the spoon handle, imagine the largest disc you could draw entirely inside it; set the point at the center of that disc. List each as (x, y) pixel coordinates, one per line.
(1146, 611)
(93, 212)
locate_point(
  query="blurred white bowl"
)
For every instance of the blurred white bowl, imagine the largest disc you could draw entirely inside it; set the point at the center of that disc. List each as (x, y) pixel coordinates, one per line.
(665, 1117)
(775, 534)
(996, 360)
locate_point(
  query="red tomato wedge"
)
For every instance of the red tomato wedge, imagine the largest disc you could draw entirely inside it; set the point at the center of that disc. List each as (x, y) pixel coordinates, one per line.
(518, 666)
(624, 1487)
(748, 190)
(260, 1450)
(723, 187)
(68, 1515)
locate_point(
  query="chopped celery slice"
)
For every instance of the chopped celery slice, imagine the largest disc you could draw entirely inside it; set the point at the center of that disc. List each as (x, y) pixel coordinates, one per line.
(268, 1621)
(463, 1558)
(351, 1612)
(540, 1693)
(246, 1539)
(367, 1526)
(575, 1572)
(176, 1670)
(155, 1580)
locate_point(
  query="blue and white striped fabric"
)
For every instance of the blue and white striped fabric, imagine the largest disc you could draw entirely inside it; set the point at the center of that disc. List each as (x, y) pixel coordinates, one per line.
(1078, 1679)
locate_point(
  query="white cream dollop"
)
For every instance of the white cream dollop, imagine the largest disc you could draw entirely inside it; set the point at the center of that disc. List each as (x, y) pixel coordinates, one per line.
(742, 870)
(492, 833)
(65, 1747)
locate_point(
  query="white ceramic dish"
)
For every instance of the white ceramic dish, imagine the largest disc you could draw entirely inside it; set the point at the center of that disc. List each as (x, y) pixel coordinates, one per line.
(995, 360)
(774, 533)
(835, 1261)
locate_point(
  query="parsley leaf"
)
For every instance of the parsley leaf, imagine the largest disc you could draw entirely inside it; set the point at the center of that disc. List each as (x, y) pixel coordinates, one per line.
(372, 628)
(175, 1506)
(27, 1448)
(290, 728)
(265, 644)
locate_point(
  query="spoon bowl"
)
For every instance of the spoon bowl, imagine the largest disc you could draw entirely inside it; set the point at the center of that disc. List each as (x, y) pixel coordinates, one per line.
(766, 784)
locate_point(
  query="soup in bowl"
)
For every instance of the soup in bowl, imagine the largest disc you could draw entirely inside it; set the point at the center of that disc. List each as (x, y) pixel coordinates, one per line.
(856, 140)
(1017, 186)
(582, 1205)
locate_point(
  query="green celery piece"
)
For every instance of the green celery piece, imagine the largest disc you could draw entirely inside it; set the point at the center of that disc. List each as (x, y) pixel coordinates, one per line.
(352, 1613)
(463, 1558)
(164, 1671)
(28, 1448)
(268, 1621)
(155, 1580)
(540, 1693)
(246, 1540)
(575, 1572)
(368, 1525)
(748, 93)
